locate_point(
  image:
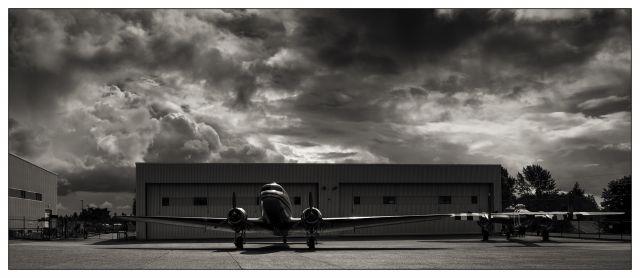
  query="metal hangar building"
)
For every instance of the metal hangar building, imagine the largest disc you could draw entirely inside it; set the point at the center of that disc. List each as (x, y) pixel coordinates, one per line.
(205, 189)
(33, 191)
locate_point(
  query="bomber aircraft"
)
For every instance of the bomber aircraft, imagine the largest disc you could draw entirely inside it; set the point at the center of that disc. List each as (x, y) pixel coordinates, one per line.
(518, 219)
(278, 219)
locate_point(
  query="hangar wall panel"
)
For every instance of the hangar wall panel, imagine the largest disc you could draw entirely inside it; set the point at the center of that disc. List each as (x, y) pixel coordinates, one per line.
(179, 202)
(414, 198)
(26, 176)
(334, 184)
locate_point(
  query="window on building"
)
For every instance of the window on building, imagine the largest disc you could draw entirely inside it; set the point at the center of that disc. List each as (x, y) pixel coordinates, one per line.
(474, 199)
(296, 200)
(200, 201)
(30, 195)
(444, 200)
(14, 193)
(23, 194)
(38, 197)
(165, 201)
(356, 200)
(389, 200)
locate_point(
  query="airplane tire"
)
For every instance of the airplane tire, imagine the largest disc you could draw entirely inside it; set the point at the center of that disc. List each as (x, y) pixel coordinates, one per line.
(239, 242)
(284, 240)
(545, 236)
(311, 242)
(485, 235)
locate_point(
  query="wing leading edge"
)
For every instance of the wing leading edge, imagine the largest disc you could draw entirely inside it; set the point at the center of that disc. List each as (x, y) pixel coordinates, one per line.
(208, 223)
(334, 224)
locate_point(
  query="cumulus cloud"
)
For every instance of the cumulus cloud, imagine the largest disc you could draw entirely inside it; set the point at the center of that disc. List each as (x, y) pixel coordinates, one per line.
(92, 92)
(106, 205)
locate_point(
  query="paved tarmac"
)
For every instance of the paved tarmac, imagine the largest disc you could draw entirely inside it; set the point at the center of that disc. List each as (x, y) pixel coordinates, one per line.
(337, 253)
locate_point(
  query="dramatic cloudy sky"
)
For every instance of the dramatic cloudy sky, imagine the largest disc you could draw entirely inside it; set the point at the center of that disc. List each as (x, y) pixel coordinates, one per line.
(91, 92)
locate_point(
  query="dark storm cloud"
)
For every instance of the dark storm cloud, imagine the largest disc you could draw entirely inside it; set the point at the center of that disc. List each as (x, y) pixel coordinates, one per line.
(553, 45)
(386, 41)
(102, 179)
(115, 87)
(57, 48)
(26, 142)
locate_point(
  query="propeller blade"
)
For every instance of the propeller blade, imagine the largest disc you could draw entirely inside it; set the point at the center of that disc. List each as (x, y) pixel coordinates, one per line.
(233, 200)
(310, 200)
(490, 204)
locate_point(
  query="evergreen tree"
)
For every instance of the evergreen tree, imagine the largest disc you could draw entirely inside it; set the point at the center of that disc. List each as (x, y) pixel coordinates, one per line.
(617, 196)
(508, 188)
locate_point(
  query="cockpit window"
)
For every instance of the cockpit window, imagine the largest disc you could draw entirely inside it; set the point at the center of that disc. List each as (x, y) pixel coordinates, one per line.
(271, 187)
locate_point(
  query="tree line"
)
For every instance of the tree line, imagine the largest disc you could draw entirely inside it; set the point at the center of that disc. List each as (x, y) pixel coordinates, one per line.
(536, 189)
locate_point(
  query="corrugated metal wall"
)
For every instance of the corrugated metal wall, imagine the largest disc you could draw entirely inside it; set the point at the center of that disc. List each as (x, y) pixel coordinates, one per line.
(24, 175)
(180, 197)
(414, 198)
(335, 183)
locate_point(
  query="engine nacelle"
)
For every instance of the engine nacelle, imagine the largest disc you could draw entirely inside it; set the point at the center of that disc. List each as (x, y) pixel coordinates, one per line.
(237, 217)
(311, 217)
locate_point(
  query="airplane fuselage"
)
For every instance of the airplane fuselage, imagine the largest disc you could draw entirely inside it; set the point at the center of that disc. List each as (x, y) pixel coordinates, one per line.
(276, 208)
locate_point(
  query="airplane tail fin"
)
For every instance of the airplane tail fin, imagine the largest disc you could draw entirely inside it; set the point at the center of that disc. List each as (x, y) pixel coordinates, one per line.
(310, 200)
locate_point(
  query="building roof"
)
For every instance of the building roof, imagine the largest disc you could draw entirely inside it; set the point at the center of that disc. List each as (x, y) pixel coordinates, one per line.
(27, 161)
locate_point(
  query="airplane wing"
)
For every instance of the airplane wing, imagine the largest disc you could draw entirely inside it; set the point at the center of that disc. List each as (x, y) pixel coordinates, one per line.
(505, 217)
(209, 223)
(334, 224)
(557, 215)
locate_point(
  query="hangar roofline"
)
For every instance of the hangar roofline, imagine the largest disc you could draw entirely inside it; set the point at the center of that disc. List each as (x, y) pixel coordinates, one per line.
(36, 165)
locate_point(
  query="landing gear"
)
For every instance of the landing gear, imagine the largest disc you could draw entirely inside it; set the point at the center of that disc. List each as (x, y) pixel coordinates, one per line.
(311, 242)
(485, 235)
(239, 240)
(510, 232)
(284, 240)
(545, 235)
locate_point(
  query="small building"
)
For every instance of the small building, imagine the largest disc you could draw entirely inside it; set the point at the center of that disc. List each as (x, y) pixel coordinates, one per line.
(205, 189)
(33, 194)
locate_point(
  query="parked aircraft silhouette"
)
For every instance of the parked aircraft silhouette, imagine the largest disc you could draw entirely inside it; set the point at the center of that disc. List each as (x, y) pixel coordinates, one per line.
(518, 219)
(278, 219)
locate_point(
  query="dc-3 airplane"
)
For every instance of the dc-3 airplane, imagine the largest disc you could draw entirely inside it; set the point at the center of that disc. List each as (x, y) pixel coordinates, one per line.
(277, 218)
(518, 219)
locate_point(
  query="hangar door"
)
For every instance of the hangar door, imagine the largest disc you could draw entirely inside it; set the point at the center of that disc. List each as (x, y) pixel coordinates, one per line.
(369, 199)
(210, 200)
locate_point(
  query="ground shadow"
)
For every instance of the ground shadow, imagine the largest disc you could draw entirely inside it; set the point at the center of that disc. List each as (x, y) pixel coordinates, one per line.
(277, 248)
(462, 241)
(280, 248)
(523, 243)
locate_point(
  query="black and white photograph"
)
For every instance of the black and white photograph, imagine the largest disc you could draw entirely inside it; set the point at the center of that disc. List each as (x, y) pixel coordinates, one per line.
(319, 138)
